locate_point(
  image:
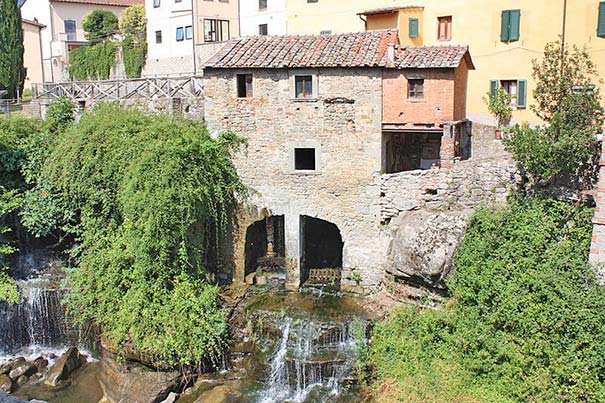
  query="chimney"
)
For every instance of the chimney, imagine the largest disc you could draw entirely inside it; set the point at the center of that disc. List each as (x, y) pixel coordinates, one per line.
(391, 52)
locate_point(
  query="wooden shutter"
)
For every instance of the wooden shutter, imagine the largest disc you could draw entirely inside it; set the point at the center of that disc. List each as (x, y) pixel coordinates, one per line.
(414, 27)
(522, 94)
(515, 25)
(505, 28)
(493, 87)
(601, 23)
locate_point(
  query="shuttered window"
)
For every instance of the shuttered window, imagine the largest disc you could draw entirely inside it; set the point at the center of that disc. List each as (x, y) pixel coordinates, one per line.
(511, 25)
(414, 27)
(601, 23)
(517, 89)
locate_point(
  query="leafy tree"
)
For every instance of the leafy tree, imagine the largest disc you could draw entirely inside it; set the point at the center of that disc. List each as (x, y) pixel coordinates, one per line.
(12, 72)
(499, 106)
(133, 25)
(9, 201)
(565, 150)
(100, 25)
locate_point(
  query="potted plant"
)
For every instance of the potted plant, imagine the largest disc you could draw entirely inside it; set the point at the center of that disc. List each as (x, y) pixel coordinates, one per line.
(498, 105)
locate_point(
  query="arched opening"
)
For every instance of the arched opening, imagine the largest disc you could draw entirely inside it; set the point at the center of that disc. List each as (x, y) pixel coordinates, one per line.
(265, 250)
(321, 250)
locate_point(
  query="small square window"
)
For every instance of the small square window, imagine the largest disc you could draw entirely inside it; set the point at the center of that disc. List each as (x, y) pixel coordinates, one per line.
(156, 3)
(158, 37)
(304, 159)
(263, 29)
(180, 34)
(262, 5)
(178, 1)
(312, 1)
(416, 88)
(244, 85)
(303, 87)
(189, 32)
(326, 32)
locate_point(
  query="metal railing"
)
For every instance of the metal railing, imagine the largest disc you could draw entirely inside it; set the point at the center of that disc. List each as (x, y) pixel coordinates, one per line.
(121, 89)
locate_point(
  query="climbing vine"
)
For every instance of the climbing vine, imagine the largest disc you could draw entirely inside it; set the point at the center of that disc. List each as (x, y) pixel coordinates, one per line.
(151, 196)
(93, 61)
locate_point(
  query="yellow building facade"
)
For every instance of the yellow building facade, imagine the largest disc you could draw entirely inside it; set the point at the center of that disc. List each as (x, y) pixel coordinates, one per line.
(500, 57)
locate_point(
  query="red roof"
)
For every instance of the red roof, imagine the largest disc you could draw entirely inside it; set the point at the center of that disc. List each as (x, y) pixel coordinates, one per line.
(388, 10)
(118, 3)
(361, 49)
(432, 57)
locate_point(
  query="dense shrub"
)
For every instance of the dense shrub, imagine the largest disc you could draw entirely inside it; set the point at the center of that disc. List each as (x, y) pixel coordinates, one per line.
(149, 197)
(524, 324)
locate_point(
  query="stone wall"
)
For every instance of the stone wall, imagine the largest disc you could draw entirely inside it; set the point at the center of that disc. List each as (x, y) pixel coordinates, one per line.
(343, 123)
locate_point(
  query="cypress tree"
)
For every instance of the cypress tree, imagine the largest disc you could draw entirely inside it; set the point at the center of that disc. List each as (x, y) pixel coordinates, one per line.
(12, 72)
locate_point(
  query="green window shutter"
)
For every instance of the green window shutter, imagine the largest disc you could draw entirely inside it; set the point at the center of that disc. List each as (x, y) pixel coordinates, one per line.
(515, 25)
(522, 94)
(493, 87)
(505, 30)
(601, 23)
(414, 27)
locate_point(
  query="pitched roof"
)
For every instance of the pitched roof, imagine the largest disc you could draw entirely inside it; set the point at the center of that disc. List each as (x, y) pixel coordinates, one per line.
(34, 23)
(432, 57)
(387, 10)
(118, 3)
(361, 49)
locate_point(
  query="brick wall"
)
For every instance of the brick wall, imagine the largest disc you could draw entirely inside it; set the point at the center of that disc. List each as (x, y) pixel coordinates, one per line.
(438, 102)
(597, 247)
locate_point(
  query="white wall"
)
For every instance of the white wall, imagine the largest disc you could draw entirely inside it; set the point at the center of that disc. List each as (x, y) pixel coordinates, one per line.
(40, 10)
(167, 18)
(274, 16)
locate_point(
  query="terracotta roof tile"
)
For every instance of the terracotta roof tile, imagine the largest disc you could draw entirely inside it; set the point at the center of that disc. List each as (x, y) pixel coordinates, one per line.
(119, 3)
(388, 10)
(432, 57)
(361, 49)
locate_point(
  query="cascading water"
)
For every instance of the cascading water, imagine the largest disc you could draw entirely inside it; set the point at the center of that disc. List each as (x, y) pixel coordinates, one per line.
(311, 363)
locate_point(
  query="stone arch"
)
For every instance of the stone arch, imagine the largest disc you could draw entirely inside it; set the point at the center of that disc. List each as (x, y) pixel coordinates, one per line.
(265, 246)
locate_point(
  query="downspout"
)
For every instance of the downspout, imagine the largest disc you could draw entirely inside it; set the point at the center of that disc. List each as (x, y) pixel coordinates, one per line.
(563, 29)
(193, 28)
(239, 18)
(42, 54)
(365, 22)
(52, 39)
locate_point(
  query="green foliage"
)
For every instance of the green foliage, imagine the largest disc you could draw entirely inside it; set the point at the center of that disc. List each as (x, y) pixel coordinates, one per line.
(60, 114)
(13, 133)
(525, 322)
(100, 25)
(135, 54)
(499, 106)
(9, 202)
(566, 150)
(152, 196)
(93, 62)
(133, 21)
(12, 72)
(133, 25)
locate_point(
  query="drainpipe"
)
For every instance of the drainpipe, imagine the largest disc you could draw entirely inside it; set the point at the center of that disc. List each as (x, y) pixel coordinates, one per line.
(193, 28)
(41, 53)
(365, 22)
(563, 28)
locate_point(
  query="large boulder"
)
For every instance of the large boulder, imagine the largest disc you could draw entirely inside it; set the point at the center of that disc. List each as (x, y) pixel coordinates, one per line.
(22, 369)
(6, 384)
(135, 383)
(423, 246)
(68, 363)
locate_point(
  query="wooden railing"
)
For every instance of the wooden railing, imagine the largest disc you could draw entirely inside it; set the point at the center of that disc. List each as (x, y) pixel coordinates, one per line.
(137, 88)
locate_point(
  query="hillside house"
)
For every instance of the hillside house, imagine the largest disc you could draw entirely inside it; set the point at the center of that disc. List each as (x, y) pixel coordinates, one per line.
(325, 117)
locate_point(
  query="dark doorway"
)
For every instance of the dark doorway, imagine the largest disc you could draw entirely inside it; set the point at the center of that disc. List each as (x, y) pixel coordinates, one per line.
(321, 246)
(258, 237)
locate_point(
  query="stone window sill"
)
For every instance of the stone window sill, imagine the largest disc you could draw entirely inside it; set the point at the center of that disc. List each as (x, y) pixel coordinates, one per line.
(305, 172)
(303, 99)
(416, 101)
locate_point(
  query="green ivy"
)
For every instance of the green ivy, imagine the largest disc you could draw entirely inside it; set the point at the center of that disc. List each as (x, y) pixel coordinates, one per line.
(93, 62)
(134, 54)
(151, 196)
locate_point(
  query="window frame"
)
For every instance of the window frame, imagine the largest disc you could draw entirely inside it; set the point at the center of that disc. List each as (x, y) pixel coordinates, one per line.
(157, 3)
(180, 30)
(188, 32)
(414, 94)
(308, 144)
(510, 32)
(447, 22)
(260, 5)
(158, 36)
(216, 31)
(248, 87)
(70, 35)
(260, 30)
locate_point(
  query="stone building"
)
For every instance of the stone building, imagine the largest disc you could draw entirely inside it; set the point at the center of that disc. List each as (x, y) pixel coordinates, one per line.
(344, 133)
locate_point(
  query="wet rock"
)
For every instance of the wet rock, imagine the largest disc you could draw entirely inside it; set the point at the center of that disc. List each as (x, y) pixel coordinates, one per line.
(6, 384)
(134, 383)
(69, 362)
(41, 363)
(6, 368)
(22, 369)
(171, 398)
(227, 392)
(22, 380)
(6, 398)
(423, 246)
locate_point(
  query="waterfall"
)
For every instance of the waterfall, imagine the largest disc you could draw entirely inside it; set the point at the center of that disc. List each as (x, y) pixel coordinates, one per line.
(38, 320)
(310, 363)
